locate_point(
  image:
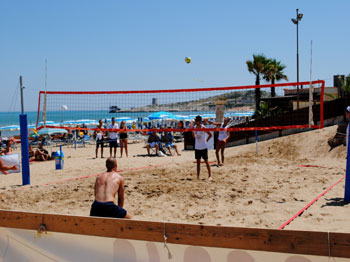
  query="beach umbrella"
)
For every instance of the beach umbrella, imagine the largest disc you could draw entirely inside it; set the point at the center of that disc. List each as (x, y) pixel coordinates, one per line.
(123, 118)
(51, 131)
(48, 123)
(87, 122)
(184, 118)
(240, 113)
(10, 127)
(208, 115)
(162, 115)
(69, 123)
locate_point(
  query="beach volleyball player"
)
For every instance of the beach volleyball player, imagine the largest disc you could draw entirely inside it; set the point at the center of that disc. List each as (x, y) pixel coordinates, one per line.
(107, 185)
(222, 140)
(200, 146)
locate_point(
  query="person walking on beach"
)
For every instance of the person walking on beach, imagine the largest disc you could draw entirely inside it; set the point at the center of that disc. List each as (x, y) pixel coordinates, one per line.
(222, 140)
(113, 138)
(107, 186)
(201, 150)
(4, 168)
(99, 138)
(123, 138)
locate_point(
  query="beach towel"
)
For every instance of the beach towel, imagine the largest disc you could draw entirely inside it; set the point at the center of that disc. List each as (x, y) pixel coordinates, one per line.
(12, 159)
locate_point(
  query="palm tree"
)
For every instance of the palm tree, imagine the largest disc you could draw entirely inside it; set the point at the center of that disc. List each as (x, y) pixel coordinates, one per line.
(257, 67)
(274, 72)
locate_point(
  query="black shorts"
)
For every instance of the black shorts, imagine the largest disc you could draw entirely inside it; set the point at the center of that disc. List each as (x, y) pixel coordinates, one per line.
(106, 209)
(99, 142)
(123, 136)
(113, 143)
(201, 153)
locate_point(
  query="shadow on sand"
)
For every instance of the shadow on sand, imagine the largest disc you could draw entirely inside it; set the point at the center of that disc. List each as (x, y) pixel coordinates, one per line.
(336, 201)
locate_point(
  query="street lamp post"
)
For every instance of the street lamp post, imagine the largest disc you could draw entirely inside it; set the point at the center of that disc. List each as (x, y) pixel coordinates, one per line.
(296, 22)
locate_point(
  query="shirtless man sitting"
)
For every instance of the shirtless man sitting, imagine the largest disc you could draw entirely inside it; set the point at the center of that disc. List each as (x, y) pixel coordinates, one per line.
(41, 154)
(107, 185)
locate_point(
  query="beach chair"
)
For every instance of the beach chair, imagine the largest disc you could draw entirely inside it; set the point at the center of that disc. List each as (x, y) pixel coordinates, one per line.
(153, 145)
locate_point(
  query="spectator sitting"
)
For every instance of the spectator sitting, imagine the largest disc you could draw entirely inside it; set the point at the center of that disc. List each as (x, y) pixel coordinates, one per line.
(2, 144)
(86, 132)
(31, 153)
(153, 142)
(8, 150)
(42, 154)
(168, 140)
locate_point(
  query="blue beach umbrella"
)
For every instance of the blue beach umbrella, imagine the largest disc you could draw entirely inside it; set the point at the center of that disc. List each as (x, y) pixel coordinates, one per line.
(80, 122)
(48, 123)
(87, 122)
(162, 115)
(123, 118)
(69, 123)
(51, 131)
(10, 128)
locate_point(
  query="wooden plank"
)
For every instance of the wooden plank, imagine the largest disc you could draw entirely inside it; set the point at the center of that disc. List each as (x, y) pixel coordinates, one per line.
(270, 240)
(23, 220)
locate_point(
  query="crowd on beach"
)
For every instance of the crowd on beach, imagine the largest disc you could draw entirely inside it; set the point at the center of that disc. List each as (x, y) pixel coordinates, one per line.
(162, 143)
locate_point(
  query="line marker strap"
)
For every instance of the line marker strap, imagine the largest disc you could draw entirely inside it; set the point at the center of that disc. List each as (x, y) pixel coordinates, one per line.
(308, 205)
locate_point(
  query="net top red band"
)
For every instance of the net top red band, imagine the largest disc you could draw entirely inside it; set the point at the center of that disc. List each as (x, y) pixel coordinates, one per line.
(184, 90)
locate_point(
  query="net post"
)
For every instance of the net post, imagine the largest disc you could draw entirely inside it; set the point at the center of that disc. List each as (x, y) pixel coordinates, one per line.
(24, 149)
(321, 103)
(38, 114)
(347, 172)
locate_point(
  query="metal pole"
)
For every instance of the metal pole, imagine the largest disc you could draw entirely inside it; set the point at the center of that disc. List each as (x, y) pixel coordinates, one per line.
(297, 58)
(21, 87)
(311, 99)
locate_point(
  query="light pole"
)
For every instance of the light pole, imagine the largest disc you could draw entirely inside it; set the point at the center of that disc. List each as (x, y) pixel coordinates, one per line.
(296, 22)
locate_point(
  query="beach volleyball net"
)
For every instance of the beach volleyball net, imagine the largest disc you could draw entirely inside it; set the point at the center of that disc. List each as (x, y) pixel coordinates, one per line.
(263, 107)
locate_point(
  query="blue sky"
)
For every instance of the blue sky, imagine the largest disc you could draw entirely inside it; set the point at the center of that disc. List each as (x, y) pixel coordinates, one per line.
(134, 45)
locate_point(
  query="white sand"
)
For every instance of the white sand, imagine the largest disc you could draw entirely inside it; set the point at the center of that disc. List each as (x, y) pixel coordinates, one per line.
(263, 190)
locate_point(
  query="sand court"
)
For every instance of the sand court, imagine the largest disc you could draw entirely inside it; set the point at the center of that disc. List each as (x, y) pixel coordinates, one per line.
(261, 190)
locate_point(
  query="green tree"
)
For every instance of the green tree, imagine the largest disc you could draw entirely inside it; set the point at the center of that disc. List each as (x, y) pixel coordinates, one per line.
(257, 67)
(266, 110)
(274, 73)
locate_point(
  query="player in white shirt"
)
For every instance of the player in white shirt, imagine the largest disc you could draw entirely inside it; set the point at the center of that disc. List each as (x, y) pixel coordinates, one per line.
(201, 150)
(113, 138)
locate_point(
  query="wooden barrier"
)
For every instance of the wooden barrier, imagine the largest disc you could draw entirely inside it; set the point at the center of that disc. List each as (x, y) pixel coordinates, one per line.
(270, 240)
